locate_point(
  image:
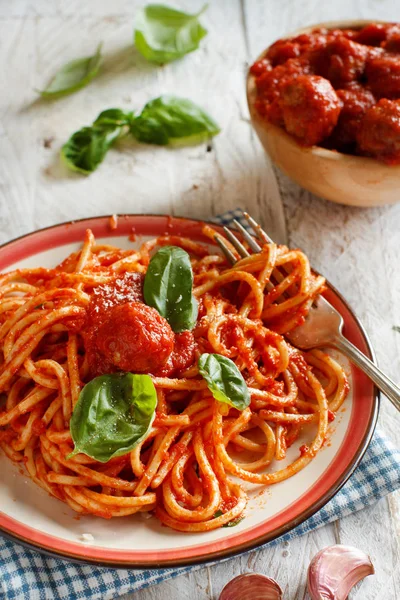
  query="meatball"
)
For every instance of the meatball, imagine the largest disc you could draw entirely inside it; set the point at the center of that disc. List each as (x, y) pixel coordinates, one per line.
(309, 40)
(299, 46)
(350, 34)
(269, 84)
(124, 288)
(393, 43)
(383, 75)
(341, 61)
(310, 108)
(282, 50)
(356, 100)
(260, 67)
(379, 133)
(373, 34)
(135, 338)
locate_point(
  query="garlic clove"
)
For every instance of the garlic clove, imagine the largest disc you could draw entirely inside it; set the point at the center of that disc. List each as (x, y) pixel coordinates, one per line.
(335, 570)
(251, 586)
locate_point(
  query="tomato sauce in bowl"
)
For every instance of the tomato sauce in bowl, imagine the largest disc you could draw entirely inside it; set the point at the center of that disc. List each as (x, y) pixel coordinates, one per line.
(335, 88)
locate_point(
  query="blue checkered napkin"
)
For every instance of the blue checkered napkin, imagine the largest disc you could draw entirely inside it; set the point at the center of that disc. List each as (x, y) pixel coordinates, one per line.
(26, 574)
(227, 218)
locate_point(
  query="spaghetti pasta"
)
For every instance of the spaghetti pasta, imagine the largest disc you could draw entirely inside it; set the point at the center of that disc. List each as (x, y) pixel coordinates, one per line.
(191, 465)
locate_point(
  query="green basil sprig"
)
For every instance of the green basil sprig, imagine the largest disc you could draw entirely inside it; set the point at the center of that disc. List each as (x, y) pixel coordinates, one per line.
(172, 120)
(165, 120)
(73, 76)
(168, 285)
(113, 415)
(86, 148)
(163, 34)
(224, 380)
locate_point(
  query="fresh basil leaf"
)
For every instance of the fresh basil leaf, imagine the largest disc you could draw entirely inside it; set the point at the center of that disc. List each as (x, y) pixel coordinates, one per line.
(113, 415)
(114, 116)
(224, 380)
(172, 120)
(163, 34)
(149, 130)
(73, 76)
(396, 328)
(168, 285)
(87, 147)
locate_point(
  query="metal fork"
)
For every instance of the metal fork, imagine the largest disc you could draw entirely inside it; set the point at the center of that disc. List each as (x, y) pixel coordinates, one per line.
(323, 325)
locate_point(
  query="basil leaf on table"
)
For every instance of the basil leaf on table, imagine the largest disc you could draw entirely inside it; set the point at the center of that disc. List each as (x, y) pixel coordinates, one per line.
(169, 120)
(224, 380)
(163, 34)
(149, 130)
(168, 285)
(113, 415)
(114, 116)
(165, 120)
(73, 76)
(87, 147)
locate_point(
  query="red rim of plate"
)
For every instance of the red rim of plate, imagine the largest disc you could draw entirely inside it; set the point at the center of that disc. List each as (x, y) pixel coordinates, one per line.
(358, 435)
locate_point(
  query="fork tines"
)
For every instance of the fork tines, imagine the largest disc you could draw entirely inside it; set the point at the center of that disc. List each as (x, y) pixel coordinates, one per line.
(259, 233)
(237, 244)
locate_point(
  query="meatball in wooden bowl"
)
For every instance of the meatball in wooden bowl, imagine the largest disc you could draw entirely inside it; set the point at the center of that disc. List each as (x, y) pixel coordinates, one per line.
(325, 103)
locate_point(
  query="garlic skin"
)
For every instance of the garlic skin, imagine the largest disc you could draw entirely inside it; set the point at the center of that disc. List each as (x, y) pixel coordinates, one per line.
(251, 586)
(335, 570)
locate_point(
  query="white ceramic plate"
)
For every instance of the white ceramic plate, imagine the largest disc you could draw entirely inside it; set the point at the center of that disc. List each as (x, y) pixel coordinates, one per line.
(30, 515)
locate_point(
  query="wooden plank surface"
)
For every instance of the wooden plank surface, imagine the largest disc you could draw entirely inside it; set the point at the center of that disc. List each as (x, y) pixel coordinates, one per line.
(356, 249)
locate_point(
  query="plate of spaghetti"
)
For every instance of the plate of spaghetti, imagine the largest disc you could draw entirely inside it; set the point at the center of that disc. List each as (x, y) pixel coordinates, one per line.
(152, 411)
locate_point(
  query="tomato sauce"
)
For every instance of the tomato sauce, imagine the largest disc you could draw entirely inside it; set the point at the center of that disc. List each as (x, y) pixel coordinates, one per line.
(331, 416)
(181, 357)
(335, 88)
(228, 504)
(304, 450)
(298, 359)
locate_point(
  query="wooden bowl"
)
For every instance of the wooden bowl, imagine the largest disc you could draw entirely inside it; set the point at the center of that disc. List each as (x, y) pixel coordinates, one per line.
(341, 178)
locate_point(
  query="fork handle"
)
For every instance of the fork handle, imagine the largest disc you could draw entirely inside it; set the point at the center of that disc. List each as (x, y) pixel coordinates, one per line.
(386, 385)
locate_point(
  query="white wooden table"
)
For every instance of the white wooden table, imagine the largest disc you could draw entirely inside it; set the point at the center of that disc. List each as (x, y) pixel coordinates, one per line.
(358, 250)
